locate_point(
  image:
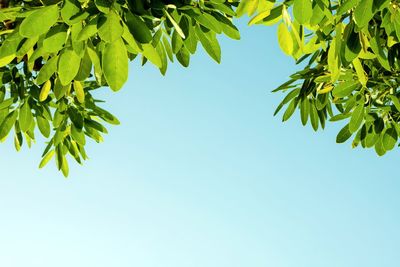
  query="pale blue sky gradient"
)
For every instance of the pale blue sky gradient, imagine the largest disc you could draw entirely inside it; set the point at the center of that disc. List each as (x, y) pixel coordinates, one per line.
(200, 174)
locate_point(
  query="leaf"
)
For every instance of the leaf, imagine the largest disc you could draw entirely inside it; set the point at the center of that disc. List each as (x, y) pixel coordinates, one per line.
(34, 25)
(379, 149)
(176, 26)
(347, 5)
(344, 89)
(352, 46)
(78, 135)
(47, 70)
(395, 101)
(103, 5)
(88, 31)
(7, 124)
(79, 92)
(360, 72)
(290, 110)
(6, 103)
(46, 159)
(109, 27)
(183, 56)
(151, 54)
(356, 118)
(210, 43)
(363, 13)
(138, 28)
(259, 17)
(55, 39)
(378, 51)
(44, 93)
(68, 66)
(389, 138)
(70, 9)
(314, 117)
(343, 135)
(302, 11)
(304, 110)
(115, 64)
(43, 125)
(285, 39)
(209, 22)
(25, 117)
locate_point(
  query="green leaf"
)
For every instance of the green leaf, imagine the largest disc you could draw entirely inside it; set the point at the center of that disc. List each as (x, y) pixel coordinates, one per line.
(47, 70)
(347, 5)
(46, 159)
(78, 135)
(378, 51)
(103, 5)
(109, 27)
(352, 46)
(89, 30)
(304, 110)
(34, 25)
(151, 54)
(290, 110)
(85, 68)
(210, 43)
(70, 10)
(285, 39)
(362, 77)
(343, 135)
(7, 124)
(25, 117)
(389, 138)
(138, 28)
(55, 39)
(344, 89)
(314, 117)
(176, 26)
(395, 101)
(363, 13)
(183, 56)
(43, 125)
(209, 22)
(6, 103)
(379, 148)
(115, 64)
(68, 66)
(302, 11)
(357, 118)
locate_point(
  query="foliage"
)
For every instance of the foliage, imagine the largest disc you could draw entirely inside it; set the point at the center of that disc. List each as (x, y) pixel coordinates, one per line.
(55, 53)
(352, 48)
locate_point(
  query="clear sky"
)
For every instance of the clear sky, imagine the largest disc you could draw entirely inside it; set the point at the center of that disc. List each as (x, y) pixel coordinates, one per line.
(200, 174)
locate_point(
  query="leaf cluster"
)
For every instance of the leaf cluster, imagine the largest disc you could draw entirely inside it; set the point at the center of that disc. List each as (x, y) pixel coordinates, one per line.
(55, 54)
(350, 50)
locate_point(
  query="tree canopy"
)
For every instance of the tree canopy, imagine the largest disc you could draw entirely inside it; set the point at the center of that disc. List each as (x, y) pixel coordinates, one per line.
(55, 53)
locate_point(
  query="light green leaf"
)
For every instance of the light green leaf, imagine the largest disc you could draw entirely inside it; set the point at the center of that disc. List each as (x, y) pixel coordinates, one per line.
(285, 39)
(115, 64)
(35, 24)
(302, 11)
(363, 13)
(68, 66)
(109, 27)
(210, 43)
(357, 118)
(25, 117)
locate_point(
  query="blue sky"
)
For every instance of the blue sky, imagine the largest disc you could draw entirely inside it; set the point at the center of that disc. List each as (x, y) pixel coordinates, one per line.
(200, 174)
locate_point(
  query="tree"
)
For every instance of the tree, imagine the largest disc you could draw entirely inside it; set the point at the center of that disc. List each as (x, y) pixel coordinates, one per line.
(49, 67)
(352, 73)
(55, 53)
